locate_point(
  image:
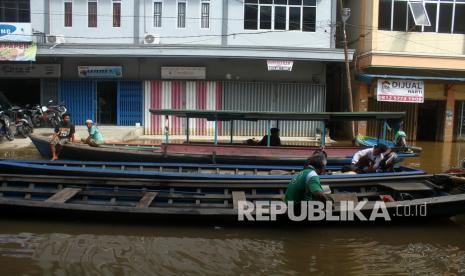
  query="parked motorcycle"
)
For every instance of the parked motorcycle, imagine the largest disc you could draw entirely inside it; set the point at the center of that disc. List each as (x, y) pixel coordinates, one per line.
(36, 114)
(5, 126)
(52, 114)
(23, 124)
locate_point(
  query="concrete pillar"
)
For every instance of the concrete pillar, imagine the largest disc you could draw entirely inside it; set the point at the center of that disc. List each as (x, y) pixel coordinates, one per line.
(449, 118)
(361, 105)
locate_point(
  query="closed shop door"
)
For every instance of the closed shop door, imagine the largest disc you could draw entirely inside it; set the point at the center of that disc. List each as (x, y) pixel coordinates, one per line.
(281, 97)
(130, 103)
(79, 97)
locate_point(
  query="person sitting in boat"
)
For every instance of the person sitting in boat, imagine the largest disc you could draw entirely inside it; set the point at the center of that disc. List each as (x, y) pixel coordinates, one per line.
(368, 160)
(64, 133)
(305, 186)
(274, 138)
(95, 138)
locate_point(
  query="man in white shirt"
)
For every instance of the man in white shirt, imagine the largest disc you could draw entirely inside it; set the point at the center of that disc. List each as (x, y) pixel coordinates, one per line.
(368, 160)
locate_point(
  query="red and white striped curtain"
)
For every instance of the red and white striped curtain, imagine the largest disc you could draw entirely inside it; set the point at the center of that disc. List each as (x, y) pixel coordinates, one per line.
(190, 95)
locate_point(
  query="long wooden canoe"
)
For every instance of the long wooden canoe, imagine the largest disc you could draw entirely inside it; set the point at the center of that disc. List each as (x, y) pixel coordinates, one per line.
(181, 170)
(155, 201)
(197, 153)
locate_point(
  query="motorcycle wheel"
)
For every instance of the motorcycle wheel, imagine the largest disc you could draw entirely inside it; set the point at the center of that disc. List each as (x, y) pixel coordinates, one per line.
(10, 136)
(36, 121)
(55, 121)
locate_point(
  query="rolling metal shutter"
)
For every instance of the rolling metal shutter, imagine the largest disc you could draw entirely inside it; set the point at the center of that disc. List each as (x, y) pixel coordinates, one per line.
(130, 103)
(79, 96)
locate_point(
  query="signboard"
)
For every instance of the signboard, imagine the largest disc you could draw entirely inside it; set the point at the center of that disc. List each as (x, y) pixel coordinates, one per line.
(16, 32)
(100, 71)
(184, 73)
(30, 71)
(280, 65)
(404, 91)
(15, 51)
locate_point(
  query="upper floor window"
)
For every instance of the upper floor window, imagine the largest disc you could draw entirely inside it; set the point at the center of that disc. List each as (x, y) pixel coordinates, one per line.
(15, 11)
(205, 14)
(299, 15)
(181, 14)
(68, 13)
(157, 8)
(116, 13)
(446, 16)
(92, 14)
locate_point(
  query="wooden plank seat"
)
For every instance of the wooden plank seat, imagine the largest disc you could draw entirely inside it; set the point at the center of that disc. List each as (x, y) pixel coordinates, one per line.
(63, 195)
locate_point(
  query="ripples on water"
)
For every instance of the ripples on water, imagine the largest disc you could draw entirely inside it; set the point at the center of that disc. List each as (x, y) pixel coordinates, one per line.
(69, 250)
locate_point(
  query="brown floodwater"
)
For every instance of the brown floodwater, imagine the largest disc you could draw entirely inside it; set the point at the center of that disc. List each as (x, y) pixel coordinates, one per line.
(42, 246)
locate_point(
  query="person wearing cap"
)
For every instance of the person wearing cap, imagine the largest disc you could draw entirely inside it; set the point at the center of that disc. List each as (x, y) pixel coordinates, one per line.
(95, 138)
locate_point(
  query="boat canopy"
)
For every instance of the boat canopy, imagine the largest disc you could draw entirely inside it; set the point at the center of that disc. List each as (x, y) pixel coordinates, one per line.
(228, 115)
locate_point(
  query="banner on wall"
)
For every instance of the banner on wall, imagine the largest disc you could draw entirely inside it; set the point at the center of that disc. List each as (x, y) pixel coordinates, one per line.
(405, 91)
(280, 65)
(17, 32)
(100, 71)
(13, 51)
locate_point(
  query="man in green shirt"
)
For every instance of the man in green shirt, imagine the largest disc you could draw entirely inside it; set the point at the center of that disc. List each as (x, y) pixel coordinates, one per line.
(95, 138)
(305, 186)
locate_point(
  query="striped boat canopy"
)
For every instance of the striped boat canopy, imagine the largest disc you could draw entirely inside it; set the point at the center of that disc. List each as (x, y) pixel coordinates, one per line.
(228, 115)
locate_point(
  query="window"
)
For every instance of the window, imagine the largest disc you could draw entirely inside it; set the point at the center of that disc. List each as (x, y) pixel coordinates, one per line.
(92, 14)
(298, 15)
(68, 14)
(251, 15)
(181, 14)
(445, 16)
(116, 13)
(15, 11)
(205, 14)
(157, 8)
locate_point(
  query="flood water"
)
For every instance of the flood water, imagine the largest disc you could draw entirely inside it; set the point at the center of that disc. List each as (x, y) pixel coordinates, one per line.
(42, 246)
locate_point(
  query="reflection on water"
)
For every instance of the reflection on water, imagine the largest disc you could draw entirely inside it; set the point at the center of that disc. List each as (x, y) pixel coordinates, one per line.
(72, 248)
(62, 248)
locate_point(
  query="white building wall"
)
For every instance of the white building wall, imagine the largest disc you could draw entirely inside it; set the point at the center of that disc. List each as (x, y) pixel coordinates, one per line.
(137, 20)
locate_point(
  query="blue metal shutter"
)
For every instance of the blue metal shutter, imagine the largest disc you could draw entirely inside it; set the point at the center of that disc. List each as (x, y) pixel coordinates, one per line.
(79, 97)
(130, 103)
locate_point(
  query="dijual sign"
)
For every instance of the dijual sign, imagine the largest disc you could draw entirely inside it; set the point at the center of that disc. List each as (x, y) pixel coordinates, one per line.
(406, 91)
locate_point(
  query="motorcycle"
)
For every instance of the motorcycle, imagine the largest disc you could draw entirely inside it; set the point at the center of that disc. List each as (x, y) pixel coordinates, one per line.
(23, 125)
(52, 114)
(36, 115)
(5, 126)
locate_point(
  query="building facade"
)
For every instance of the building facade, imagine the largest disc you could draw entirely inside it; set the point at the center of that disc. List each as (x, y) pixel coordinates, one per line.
(113, 60)
(391, 46)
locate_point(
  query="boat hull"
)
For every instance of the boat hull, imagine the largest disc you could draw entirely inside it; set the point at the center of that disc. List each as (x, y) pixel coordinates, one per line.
(179, 170)
(38, 197)
(215, 154)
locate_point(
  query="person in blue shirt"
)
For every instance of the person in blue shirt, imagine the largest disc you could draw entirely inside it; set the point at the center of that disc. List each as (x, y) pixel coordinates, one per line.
(95, 138)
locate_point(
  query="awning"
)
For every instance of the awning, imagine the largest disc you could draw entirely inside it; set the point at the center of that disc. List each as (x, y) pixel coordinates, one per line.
(368, 78)
(227, 115)
(194, 51)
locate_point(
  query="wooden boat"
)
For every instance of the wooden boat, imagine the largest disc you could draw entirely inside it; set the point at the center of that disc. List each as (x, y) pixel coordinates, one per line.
(146, 201)
(220, 153)
(179, 170)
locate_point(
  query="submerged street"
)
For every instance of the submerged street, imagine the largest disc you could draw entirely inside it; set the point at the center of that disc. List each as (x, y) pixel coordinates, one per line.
(42, 246)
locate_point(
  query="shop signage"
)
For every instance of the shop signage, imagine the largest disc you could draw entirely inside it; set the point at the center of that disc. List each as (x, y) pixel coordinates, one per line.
(280, 65)
(16, 32)
(100, 71)
(30, 71)
(184, 73)
(405, 91)
(14, 51)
